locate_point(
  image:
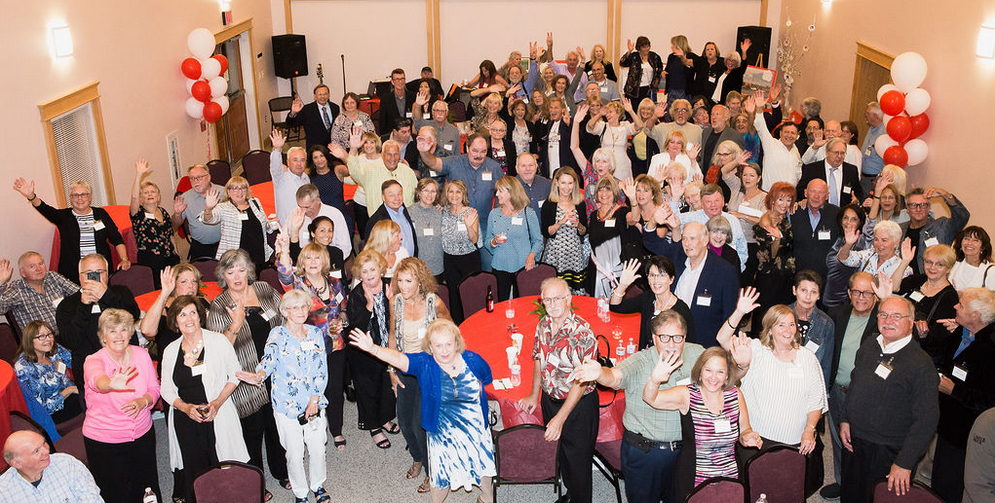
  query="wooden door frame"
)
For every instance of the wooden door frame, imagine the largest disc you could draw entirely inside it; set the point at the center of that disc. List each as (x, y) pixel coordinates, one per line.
(870, 54)
(228, 33)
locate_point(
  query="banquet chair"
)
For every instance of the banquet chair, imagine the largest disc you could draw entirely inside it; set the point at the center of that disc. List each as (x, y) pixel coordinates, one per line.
(255, 167)
(8, 344)
(138, 279)
(528, 282)
(778, 472)
(207, 269)
(717, 490)
(230, 482)
(220, 171)
(917, 493)
(608, 459)
(182, 186)
(270, 276)
(279, 105)
(473, 292)
(523, 456)
(71, 442)
(443, 292)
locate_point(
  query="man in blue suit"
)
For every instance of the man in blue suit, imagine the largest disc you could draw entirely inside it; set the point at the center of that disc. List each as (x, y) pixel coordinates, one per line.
(705, 282)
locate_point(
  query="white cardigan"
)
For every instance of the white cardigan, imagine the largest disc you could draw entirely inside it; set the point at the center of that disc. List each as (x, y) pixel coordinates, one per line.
(221, 365)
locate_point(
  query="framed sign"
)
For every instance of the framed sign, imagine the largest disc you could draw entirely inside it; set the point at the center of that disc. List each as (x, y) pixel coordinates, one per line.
(756, 78)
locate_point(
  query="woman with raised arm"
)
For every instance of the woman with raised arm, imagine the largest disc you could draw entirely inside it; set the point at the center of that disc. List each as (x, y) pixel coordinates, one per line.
(883, 255)
(676, 149)
(151, 225)
(615, 132)
(660, 275)
(243, 221)
(642, 147)
(645, 70)
(601, 166)
(351, 114)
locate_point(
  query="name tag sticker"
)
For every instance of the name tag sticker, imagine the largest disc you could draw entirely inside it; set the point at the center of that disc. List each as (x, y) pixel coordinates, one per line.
(916, 296)
(722, 425)
(98, 226)
(407, 114)
(824, 235)
(95, 309)
(704, 300)
(460, 226)
(428, 231)
(265, 315)
(883, 371)
(750, 212)
(712, 79)
(149, 216)
(795, 372)
(486, 176)
(847, 190)
(243, 216)
(539, 204)
(812, 346)
(337, 274)
(553, 360)
(432, 174)
(932, 242)
(499, 152)
(197, 370)
(427, 116)
(497, 384)
(309, 345)
(56, 301)
(448, 147)
(683, 382)
(610, 223)
(60, 367)
(516, 220)
(959, 373)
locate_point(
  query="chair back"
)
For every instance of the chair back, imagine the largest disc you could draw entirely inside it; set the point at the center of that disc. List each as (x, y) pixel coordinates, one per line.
(473, 292)
(271, 277)
(528, 282)
(220, 171)
(778, 472)
(443, 292)
(72, 443)
(522, 455)
(718, 490)
(632, 291)
(138, 279)
(8, 344)
(255, 166)
(207, 269)
(918, 493)
(458, 111)
(183, 185)
(279, 105)
(229, 482)
(20, 421)
(608, 460)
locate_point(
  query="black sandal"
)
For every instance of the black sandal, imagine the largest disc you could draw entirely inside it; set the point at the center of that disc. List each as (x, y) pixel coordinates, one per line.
(321, 496)
(394, 429)
(267, 495)
(285, 483)
(339, 444)
(383, 444)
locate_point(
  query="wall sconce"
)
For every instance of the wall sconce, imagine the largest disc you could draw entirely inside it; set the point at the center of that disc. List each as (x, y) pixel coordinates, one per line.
(62, 41)
(986, 42)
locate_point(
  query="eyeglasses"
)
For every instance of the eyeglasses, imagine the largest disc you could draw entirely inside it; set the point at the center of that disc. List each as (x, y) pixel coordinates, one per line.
(920, 206)
(554, 300)
(670, 337)
(198, 178)
(656, 275)
(681, 110)
(79, 195)
(237, 189)
(892, 316)
(861, 293)
(47, 335)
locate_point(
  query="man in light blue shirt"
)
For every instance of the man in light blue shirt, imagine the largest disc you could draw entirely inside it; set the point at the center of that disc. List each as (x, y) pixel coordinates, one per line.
(38, 476)
(871, 164)
(286, 179)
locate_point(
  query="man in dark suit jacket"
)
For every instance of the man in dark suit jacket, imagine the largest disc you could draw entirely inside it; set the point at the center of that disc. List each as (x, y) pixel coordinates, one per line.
(847, 320)
(715, 134)
(845, 175)
(396, 103)
(555, 134)
(710, 287)
(814, 229)
(393, 209)
(316, 117)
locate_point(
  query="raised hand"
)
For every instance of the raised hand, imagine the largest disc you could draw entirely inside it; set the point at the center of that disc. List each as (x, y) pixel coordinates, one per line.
(750, 105)
(211, 198)
(581, 113)
(119, 381)
(533, 50)
(662, 214)
(743, 156)
(296, 106)
(851, 234)
(580, 52)
(660, 109)
(25, 187)
(627, 105)
(668, 363)
(421, 99)
(278, 139)
(742, 352)
(549, 38)
(297, 218)
(425, 144)
(629, 274)
(179, 205)
(820, 138)
(747, 300)
(693, 150)
(142, 167)
(588, 371)
(6, 271)
(884, 287)
(513, 89)
(336, 150)
(745, 46)
(167, 280)
(629, 189)
(629, 44)
(908, 251)
(775, 92)
(356, 137)
(470, 216)
(361, 340)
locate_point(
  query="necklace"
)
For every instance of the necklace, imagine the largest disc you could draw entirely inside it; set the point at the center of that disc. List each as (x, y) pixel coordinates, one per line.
(190, 358)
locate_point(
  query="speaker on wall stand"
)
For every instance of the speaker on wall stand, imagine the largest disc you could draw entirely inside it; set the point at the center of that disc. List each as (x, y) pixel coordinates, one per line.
(290, 57)
(759, 53)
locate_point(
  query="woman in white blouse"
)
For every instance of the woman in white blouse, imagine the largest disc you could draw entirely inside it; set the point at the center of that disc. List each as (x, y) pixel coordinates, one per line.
(974, 260)
(242, 218)
(675, 148)
(883, 255)
(784, 388)
(615, 132)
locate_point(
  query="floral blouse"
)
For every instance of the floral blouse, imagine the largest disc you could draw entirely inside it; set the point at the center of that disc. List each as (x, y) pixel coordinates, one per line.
(784, 261)
(322, 311)
(45, 382)
(591, 190)
(152, 235)
(297, 368)
(558, 353)
(342, 126)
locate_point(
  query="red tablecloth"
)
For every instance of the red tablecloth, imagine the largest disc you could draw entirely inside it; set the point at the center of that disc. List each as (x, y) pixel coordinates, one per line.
(10, 399)
(487, 334)
(120, 215)
(145, 300)
(264, 192)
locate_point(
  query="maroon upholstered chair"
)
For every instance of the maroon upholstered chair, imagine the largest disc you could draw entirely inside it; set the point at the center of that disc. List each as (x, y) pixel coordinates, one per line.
(473, 292)
(608, 459)
(255, 167)
(271, 277)
(138, 279)
(527, 282)
(778, 472)
(207, 269)
(523, 456)
(443, 292)
(718, 490)
(220, 171)
(70, 443)
(8, 344)
(918, 493)
(230, 482)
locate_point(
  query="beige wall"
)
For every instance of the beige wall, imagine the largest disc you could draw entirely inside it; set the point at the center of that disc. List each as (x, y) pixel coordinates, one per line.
(134, 50)
(958, 81)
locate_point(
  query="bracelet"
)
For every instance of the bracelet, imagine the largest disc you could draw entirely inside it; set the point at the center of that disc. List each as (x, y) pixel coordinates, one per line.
(810, 427)
(875, 197)
(33, 197)
(730, 324)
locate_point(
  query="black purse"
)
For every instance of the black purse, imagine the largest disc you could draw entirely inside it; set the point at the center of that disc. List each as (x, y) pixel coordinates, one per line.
(604, 359)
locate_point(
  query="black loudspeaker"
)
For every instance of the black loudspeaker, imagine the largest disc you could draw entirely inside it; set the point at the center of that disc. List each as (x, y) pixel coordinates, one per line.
(759, 53)
(289, 56)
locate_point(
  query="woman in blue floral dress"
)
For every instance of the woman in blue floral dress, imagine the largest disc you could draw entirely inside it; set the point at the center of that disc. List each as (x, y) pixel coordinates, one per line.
(41, 370)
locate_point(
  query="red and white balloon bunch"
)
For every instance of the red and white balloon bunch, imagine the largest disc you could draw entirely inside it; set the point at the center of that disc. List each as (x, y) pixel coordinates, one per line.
(904, 104)
(205, 81)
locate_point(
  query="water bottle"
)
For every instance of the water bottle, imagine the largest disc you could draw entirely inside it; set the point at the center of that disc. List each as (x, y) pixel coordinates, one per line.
(630, 349)
(603, 311)
(762, 498)
(149, 496)
(620, 351)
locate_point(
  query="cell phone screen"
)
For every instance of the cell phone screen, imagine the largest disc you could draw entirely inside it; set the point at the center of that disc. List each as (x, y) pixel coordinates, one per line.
(93, 276)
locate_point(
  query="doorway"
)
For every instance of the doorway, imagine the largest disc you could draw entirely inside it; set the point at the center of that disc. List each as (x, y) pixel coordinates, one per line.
(233, 129)
(873, 70)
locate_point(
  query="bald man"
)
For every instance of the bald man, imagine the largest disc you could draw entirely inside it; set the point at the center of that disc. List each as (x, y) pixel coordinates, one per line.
(814, 229)
(42, 477)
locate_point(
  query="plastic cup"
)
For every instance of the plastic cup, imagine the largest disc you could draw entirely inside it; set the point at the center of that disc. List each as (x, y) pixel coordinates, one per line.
(516, 340)
(516, 375)
(509, 312)
(512, 355)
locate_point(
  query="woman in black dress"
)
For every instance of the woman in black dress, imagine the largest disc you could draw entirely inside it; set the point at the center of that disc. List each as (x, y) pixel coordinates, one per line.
(660, 274)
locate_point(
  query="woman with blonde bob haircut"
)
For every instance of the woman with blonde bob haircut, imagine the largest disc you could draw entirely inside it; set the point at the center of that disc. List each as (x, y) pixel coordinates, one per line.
(461, 241)
(242, 219)
(564, 224)
(385, 239)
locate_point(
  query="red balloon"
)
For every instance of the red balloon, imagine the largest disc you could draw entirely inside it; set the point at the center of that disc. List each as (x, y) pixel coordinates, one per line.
(920, 123)
(201, 90)
(892, 102)
(895, 154)
(191, 68)
(899, 128)
(224, 62)
(212, 112)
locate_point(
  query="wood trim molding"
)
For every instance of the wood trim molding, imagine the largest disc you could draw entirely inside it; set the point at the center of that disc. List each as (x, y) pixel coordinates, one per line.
(288, 16)
(229, 33)
(764, 5)
(614, 33)
(874, 55)
(232, 31)
(433, 36)
(63, 104)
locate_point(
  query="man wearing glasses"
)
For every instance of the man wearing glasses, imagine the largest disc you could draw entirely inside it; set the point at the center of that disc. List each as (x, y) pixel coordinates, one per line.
(396, 103)
(854, 323)
(926, 231)
(680, 111)
(891, 409)
(204, 238)
(446, 135)
(570, 408)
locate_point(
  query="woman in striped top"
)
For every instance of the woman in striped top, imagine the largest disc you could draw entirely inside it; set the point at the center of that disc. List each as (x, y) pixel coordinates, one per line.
(713, 413)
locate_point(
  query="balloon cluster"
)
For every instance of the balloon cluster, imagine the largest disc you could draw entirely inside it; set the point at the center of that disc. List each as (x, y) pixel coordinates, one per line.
(205, 81)
(904, 104)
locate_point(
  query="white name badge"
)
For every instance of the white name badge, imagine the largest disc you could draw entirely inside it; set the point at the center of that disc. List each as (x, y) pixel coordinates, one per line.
(427, 116)
(704, 300)
(750, 212)
(243, 216)
(795, 372)
(499, 153)
(98, 225)
(407, 114)
(722, 425)
(265, 314)
(197, 370)
(337, 274)
(824, 235)
(812, 346)
(610, 223)
(95, 309)
(56, 301)
(149, 216)
(539, 204)
(447, 147)
(432, 174)
(959, 373)
(357, 124)
(60, 367)
(428, 231)
(309, 345)
(339, 296)
(553, 360)
(421, 333)
(460, 226)
(711, 79)
(882, 371)
(516, 220)
(486, 176)
(916, 296)
(932, 242)
(847, 190)
(683, 382)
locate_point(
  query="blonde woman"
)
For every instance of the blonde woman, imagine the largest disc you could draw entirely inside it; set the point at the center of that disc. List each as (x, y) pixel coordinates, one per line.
(461, 241)
(614, 132)
(675, 148)
(242, 219)
(151, 225)
(647, 198)
(564, 224)
(385, 239)
(598, 55)
(513, 234)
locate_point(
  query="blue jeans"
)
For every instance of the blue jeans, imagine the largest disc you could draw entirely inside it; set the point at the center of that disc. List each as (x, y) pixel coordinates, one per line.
(649, 476)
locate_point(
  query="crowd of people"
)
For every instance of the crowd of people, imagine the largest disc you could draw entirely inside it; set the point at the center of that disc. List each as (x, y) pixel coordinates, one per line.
(788, 283)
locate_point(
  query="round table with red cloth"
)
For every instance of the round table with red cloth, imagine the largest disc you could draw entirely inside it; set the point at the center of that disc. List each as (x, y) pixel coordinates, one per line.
(10, 399)
(264, 193)
(487, 335)
(145, 300)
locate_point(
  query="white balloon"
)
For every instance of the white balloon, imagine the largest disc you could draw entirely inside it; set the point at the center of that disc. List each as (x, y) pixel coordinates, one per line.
(917, 150)
(882, 143)
(194, 108)
(885, 88)
(219, 86)
(190, 83)
(886, 118)
(223, 101)
(201, 43)
(908, 71)
(917, 101)
(209, 68)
